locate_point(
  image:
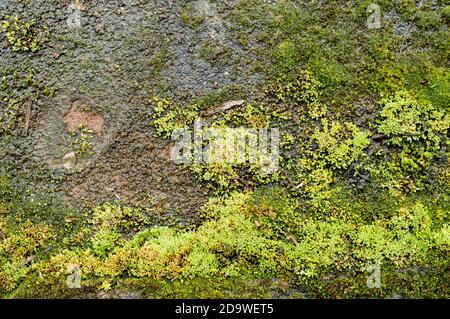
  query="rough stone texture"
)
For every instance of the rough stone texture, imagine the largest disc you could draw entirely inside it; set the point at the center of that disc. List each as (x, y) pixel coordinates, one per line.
(102, 75)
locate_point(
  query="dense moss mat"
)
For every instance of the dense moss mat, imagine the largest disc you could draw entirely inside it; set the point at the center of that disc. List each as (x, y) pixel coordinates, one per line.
(363, 178)
(252, 244)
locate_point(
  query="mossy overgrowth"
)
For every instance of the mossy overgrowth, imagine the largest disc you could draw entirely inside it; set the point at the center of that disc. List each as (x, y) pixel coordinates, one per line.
(333, 40)
(438, 92)
(215, 53)
(417, 133)
(168, 117)
(189, 17)
(362, 180)
(245, 237)
(81, 141)
(221, 176)
(23, 35)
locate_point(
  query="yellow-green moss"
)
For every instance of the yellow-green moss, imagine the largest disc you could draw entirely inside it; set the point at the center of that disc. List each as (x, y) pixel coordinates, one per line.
(24, 36)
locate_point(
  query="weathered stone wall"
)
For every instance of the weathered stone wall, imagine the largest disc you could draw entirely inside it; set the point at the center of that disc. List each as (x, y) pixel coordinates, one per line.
(103, 73)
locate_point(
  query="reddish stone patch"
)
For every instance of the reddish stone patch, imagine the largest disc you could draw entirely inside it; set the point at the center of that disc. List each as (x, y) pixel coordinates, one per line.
(76, 117)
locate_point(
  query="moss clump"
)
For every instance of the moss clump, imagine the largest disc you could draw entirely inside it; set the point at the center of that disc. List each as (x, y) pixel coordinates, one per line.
(158, 62)
(219, 165)
(24, 36)
(190, 18)
(417, 134)
(446, 13)
(340, 145)
(11, 102)
(81, 141)
(404, 120)
(168, 117)
(303, 91)
(215, 53)
(438, 91)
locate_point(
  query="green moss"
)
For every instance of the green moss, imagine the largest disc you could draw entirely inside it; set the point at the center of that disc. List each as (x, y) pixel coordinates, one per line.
(345, 58)
(302, 92)
(221, 176)
(417, 132)
(363, 176)
(246, 235)
(340, 145)
(189, 17)
(215, 53)
(405, 120)
(169, 117)
(331, 73)
(24, 36)
(158, 62)
(446, 13)
(225, 171)
(428, 20)
(438, 91)
(81, 141)
(285, 56)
